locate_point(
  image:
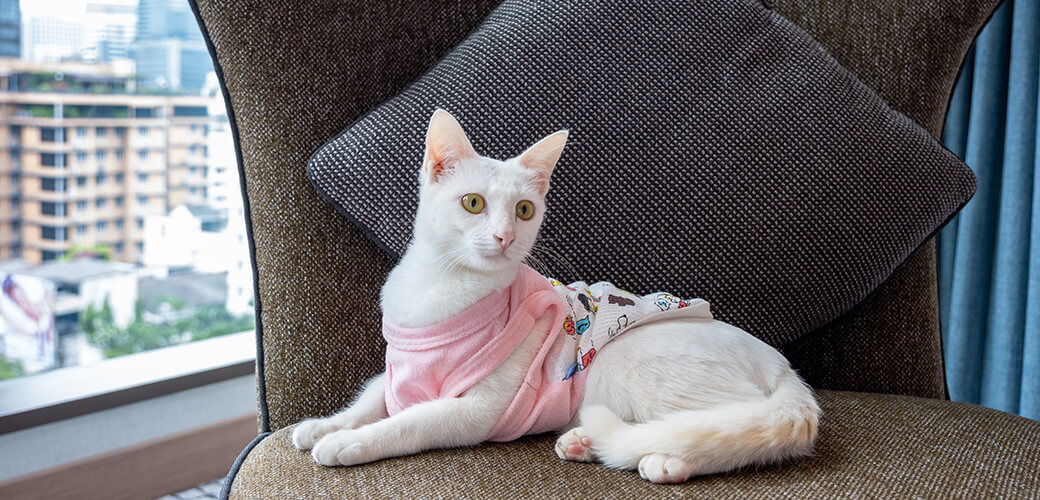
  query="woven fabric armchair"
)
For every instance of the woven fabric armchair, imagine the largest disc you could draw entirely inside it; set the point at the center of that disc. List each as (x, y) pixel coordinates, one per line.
(297, 73)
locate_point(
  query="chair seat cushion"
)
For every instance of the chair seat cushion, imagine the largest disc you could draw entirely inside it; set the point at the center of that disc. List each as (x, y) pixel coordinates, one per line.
(870, 445)
(717, 151)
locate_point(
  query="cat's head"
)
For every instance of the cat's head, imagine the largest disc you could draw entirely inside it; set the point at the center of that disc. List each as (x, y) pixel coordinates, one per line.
(478, 212)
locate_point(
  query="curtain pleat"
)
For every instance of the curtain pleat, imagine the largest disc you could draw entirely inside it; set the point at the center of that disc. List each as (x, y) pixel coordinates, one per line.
(989, 257)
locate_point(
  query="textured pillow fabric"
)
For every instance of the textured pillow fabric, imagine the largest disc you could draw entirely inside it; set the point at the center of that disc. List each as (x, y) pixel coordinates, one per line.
(716, 151)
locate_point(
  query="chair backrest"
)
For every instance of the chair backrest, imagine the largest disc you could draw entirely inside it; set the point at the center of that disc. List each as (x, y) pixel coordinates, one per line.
(295, 77)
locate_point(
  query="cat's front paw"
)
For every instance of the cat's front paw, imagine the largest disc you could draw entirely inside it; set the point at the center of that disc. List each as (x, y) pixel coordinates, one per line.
(307, 433)
(575, 446)
(343, 448)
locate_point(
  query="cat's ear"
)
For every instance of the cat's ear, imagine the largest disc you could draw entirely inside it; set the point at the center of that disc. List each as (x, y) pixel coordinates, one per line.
(542, 157)
(446, 145)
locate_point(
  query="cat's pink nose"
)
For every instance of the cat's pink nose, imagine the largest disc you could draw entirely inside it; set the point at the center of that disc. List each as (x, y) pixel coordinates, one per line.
(504, 239)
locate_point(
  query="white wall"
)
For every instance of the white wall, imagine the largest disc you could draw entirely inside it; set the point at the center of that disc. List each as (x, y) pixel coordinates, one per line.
(121, 291)
(171, 240)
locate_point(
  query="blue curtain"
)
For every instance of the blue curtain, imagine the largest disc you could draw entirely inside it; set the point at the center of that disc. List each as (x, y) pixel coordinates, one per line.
(989, 256)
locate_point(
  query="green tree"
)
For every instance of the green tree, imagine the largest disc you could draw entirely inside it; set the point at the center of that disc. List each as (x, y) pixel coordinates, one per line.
(92, 251)
(138, 336)
(10, 368)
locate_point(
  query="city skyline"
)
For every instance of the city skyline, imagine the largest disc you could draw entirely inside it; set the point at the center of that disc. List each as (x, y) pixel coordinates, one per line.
(160, 36)
(119, 191)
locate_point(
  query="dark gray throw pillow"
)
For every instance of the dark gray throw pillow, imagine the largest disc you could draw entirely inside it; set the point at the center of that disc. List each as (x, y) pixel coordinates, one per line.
(717, 151)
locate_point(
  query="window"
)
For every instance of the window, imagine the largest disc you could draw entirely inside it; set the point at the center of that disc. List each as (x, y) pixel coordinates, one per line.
(95, 111)
(193, 190)
(52, 233)
(52, 134)
(190, 111)
(52, 184)
(193, 170)
(52, 208)
(52, 159)
(194, 148)
(92, 143)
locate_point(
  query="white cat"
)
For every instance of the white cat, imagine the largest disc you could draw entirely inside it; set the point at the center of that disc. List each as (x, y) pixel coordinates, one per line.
(674, 398)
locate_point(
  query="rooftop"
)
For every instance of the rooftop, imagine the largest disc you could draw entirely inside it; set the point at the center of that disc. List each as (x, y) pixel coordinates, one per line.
(120, 68)
(68, 272)
(195, 289)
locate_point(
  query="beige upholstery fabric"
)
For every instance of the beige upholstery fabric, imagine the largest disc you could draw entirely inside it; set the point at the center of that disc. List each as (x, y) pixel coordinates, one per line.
(870, 446)
(295, 76)
(298, 73)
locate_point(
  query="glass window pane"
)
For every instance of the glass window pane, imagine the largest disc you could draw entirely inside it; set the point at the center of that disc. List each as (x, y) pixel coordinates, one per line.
(127, 168)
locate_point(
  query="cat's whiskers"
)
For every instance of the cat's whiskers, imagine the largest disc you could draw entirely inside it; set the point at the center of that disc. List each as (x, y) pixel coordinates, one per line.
(537, 264)
(552, 254)
(451, 259)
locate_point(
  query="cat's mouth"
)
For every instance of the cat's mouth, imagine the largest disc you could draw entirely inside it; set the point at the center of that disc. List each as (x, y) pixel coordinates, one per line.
(495, 256)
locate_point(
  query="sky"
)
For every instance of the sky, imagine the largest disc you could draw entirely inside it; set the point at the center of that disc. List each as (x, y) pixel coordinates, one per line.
(57, 8)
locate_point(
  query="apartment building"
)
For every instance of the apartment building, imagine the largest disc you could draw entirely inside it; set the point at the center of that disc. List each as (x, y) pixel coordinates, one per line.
(83, 159)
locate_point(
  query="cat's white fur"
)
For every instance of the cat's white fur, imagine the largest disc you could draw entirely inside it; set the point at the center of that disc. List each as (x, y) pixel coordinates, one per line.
(672, 399)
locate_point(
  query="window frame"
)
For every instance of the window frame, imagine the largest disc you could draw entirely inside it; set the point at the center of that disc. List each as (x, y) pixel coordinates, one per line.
(38, 399)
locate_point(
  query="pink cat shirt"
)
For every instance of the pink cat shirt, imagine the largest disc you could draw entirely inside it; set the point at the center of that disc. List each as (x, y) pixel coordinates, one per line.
(445, 359)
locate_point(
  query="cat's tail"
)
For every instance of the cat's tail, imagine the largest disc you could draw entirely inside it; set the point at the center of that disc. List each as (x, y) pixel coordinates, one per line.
(780, 426)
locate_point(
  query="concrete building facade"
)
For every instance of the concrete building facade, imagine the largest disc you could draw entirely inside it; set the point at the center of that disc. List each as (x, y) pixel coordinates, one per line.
(169, 49)
(84, 169)
(10, 28)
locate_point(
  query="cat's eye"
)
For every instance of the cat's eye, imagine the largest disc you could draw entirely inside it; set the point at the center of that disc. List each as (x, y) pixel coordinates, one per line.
(525, 210)
(473, 203)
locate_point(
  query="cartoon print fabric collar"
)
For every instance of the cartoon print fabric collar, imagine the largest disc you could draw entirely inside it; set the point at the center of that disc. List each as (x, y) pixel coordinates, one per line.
(600, 312)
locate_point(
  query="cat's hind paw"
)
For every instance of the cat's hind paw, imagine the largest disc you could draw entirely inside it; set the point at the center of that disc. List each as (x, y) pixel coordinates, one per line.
(307, 433)
(664, 469)
(575, 446)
